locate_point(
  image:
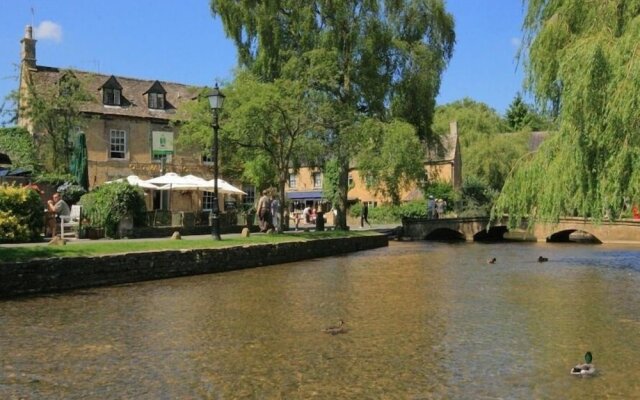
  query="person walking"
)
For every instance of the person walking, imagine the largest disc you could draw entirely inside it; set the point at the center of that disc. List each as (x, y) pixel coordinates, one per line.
(264, 211)
(275, 213)
(431, 207)
(364, 216)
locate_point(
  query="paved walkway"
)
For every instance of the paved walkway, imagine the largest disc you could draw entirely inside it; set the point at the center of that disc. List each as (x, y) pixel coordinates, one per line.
(71, 241)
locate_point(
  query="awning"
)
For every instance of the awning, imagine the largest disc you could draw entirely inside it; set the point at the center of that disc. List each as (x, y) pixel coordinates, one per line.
(314, 195)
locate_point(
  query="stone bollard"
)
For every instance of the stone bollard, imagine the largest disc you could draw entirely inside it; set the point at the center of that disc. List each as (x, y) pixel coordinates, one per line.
(245, 232)
(176, 236)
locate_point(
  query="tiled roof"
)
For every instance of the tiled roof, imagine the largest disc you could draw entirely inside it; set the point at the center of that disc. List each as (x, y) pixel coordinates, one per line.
(133, 93)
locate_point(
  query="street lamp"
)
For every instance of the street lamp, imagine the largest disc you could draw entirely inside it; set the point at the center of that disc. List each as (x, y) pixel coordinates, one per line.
(216, 99)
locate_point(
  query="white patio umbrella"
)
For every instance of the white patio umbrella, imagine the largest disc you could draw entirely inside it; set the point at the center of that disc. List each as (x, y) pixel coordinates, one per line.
(134, 180)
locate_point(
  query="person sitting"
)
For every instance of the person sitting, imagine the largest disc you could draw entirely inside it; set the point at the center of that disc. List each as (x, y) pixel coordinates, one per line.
(59, 208)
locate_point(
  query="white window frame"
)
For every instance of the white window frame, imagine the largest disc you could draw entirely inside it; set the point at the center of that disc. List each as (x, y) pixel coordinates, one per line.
(118, 134)
(316, 178)
(156, 101)
(111, 93)
(293, 181)
(207, 201)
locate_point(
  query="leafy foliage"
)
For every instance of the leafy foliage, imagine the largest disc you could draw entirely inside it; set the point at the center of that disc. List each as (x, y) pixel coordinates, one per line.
(106, 206)
(582, 65)
(356, 57)
(70, 192)
(488, 153)
(19, 145)
(520, 116)
(21, 214)
(391, 157)
(54, 112)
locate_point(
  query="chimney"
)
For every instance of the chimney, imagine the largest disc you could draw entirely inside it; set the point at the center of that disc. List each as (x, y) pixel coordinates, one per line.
(28, 55)
(453, 128)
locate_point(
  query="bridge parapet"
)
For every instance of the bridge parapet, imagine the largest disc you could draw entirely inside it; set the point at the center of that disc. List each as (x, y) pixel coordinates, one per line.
(423, 228)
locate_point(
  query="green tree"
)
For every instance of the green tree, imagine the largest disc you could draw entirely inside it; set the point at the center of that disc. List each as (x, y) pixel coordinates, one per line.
(389, 159)
(18, 144)
(488, 153)
(582, 65)
(521, 116)
(518, 114)
(265, 125)
(360, 56)
(54, 111)
(270, 122)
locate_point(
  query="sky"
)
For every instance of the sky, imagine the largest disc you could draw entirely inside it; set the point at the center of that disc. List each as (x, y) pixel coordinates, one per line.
(180, 41)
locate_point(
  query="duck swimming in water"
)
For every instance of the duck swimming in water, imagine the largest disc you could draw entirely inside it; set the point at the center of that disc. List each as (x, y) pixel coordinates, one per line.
(334, 330)
(584, 369)
(542, 259)
(491, 260)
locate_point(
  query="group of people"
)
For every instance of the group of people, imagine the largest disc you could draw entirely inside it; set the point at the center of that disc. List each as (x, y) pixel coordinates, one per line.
(435, 207)
(268, 212)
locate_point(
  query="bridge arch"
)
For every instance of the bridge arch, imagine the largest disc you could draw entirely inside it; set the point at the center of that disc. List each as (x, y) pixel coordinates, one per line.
(573, 235)
(445, 234)
(493, 234)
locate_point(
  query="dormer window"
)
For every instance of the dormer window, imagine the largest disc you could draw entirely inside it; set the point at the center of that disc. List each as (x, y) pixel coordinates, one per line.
(156, 96)
(156, 100)
(111, 97)
(111, 92)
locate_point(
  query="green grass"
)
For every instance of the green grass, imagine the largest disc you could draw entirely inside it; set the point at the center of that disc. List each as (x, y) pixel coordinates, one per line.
(105, 247)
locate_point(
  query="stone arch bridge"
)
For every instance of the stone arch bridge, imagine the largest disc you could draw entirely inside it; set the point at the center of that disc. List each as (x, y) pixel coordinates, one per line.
(566, 230)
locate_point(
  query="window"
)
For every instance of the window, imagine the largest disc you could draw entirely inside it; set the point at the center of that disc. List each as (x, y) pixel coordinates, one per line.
(316, 177)
(118, 144)
(156, 101)
(111, 97)
(293, 181)
(207, 201)
(207, 159)
(351, 181)
(250, 197)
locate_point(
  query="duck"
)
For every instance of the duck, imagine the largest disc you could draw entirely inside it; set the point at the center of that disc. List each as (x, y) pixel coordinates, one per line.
(334, 330)
(542, 259)
(584, 369)
(491, 260)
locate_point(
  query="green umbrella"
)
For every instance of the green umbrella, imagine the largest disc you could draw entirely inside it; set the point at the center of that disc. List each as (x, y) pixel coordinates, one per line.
(79, 167)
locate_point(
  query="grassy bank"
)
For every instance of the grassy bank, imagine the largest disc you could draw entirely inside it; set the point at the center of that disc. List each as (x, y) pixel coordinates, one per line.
(105, 247)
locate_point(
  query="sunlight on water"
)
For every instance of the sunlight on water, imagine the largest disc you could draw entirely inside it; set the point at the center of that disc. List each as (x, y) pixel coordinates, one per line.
(424, 321)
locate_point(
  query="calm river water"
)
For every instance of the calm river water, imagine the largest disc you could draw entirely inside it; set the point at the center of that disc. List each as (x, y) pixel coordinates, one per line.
(425, 321)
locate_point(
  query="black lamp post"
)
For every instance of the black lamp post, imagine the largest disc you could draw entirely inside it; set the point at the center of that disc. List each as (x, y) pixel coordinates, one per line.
(216, 99)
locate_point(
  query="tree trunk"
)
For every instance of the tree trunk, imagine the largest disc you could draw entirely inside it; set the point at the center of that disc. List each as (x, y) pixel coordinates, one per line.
(343, 190)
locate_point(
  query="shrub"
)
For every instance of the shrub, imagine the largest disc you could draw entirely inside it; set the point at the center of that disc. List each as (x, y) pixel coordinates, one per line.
(11, 230)
(71, 193)
(109, 204)
(21, 208)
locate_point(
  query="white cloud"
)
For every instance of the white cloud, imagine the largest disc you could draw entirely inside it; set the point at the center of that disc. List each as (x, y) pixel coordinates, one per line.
(516, 42)
(48, 30)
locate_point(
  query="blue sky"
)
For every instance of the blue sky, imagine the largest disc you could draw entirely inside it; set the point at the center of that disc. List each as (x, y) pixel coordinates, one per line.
(179, 41)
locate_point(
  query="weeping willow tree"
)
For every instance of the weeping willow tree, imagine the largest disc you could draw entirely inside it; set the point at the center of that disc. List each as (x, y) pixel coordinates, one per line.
(582, 63)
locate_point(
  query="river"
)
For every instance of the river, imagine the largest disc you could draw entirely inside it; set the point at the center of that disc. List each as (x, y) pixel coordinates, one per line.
(425, 321)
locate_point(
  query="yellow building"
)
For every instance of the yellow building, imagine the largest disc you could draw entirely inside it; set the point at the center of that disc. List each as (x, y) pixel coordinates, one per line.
(128, 128)
(441, 164)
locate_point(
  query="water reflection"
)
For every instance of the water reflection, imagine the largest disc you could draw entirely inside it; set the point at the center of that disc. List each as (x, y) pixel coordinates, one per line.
(425, 321)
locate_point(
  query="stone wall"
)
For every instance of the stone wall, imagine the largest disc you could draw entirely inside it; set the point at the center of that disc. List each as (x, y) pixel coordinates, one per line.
(57, 274)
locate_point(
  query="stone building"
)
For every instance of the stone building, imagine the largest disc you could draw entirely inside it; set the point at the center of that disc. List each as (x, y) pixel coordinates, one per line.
(128, 127)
